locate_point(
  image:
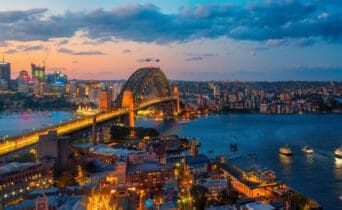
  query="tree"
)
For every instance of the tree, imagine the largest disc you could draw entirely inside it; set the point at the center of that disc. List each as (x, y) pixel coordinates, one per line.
(26, 157)
(228, 197)
(119, 132)
(199, 194)
(66, 179)
(141, 132)
(299, 201)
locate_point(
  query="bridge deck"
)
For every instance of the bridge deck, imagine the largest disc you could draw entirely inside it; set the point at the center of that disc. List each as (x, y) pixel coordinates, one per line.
(19, 142)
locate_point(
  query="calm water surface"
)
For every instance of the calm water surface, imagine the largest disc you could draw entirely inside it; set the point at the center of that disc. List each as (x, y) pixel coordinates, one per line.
(13, 124)
(318, 176)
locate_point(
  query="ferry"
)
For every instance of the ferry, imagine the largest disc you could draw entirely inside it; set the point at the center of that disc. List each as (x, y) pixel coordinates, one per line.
(338, 152)
(307, 150)
(86, 111)
(285, 151)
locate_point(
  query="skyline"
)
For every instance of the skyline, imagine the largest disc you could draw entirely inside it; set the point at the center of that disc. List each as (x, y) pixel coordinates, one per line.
(235, 40)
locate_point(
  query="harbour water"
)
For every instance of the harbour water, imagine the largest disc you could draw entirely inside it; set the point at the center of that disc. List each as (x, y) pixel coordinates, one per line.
(318, 176)
(12, 124)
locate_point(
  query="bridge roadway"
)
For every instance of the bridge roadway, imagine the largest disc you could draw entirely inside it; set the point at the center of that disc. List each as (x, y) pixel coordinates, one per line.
(19, 142)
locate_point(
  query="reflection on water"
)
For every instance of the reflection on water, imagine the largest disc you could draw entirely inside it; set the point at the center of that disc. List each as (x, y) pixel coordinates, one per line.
(338, 169)
(12, 124)
(286, 162)
(309, 159)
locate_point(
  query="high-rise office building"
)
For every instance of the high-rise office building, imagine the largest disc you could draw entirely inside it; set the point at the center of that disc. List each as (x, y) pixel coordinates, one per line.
(57, 78)
(23, 82)
(5, 73)
(38, 72)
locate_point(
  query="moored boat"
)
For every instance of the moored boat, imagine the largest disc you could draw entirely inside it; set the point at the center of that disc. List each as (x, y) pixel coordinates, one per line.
(285, 151)
(338, 152)
(307, 150)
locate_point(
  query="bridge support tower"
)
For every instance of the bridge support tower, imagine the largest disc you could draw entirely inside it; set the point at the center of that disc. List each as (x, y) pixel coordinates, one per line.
(128, 103)
(176, 93)
(94, 136)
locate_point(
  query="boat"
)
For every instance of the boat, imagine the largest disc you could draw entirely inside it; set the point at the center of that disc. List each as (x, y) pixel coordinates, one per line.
(285, 151)
(307, 150)
(86, 111)
(338, 152)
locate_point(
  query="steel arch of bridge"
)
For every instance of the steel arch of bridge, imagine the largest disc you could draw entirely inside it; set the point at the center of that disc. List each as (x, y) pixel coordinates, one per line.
(144, 78)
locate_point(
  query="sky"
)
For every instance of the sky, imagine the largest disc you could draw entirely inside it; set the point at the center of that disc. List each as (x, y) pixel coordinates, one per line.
(265, 40)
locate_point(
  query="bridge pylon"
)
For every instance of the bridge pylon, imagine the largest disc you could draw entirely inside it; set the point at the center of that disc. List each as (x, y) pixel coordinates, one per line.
(176, 93)
(128, 103)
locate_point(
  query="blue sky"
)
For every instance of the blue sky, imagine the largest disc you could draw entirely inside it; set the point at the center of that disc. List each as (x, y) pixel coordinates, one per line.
(194, 40)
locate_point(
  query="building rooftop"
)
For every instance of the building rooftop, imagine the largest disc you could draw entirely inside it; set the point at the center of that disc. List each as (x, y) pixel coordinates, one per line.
(198, 161)
(102, 149)
(15, 166)
(146, 167)
(259, 206)
(45, 191)
(30, 203)
(168, 205)
(212, 182)
(226, 207)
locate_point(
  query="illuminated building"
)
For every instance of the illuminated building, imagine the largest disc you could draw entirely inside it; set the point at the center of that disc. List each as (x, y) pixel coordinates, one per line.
(118, 176)
(38, 72)
(57, 82)
(170, 195)
(249, 178)
(263, 108)
(5, 73)
(23, 82)
(116, 89)
(141, 157)
(173, 143)
(214, 186)
(80, 91)
(105, 102)
(148, 174)
(197, 165)
(3, 84)
(18, 178)
(57, 78)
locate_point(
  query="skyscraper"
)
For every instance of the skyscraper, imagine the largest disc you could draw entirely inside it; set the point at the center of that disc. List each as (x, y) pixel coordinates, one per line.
(38, 72)
(5, 72)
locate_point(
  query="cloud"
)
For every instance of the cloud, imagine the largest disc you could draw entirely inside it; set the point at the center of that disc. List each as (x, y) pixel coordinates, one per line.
(198, 56)
(4, 44)
(195, 58)
(147, 59)
(296, 73)
(305, 42)
(126, 51)
(276, 42)
(10, 51)
(29, 48)
(273, 20)
(323, 15)
(63, 42)
(71, 52)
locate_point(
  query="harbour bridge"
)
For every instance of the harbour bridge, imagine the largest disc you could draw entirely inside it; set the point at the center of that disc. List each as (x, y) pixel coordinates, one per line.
(145, 87)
